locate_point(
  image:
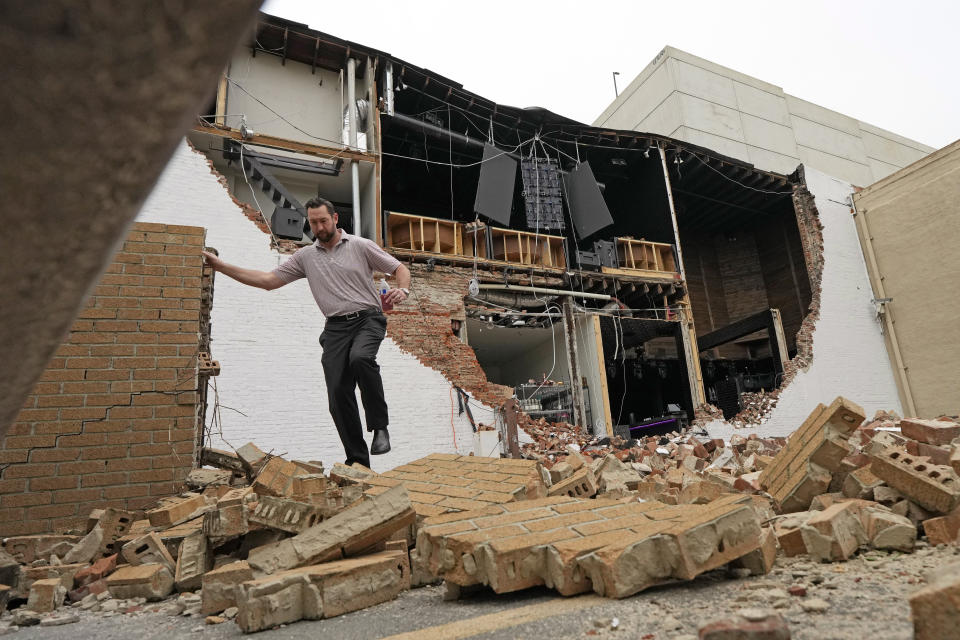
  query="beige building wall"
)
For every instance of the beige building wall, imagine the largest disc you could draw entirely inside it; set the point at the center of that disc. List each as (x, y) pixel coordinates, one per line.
(692, 99)
(909, 226)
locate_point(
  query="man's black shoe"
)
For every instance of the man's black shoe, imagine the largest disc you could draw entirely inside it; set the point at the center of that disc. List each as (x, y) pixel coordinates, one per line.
(381, 442)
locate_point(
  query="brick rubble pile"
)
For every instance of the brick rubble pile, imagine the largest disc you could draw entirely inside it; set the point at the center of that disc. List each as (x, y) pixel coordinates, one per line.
(266, 541)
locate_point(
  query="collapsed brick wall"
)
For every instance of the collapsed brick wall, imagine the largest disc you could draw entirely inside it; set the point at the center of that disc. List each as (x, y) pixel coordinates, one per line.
(112, 421)
(421, 327)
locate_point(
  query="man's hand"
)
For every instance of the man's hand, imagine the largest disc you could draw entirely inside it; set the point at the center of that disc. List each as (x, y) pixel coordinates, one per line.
(215, 263)
(395, 296)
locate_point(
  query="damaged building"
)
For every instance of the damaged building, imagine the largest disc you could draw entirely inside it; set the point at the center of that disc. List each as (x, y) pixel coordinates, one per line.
(608, 278)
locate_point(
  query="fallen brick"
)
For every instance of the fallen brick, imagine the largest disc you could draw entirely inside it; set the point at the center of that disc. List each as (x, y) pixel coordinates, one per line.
(222, 460)
(63, 572)
(9, 570)
(253, 458)
(353, 474)
(202, 478)
(321, 591)
(226, 523)
(861, 483)
(944, 529)
(937, 454)
(757, 627)
(346, 533)
(935, 609)
(935, 432)
(26, 549)
(150, 581)
(86, 549)
(177, 511)
(220, 586)
(887, 530)
(835, 533)
(276, 478)
(934, 487)
(193, 560)
(761, 561)
(148, 549)
(802, 469)
(97, 571)
(46, 595)
(237, 496)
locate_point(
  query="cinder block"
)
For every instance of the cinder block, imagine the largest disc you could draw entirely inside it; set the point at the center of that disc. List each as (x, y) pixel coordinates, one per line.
(321, 591)
(346, 533)
(193, 560)
(935, 432)
(803, 468)
(287, 515)
(46, 595)
(177, 511)
(148, 549)
(582, 484)
(220, 586)
(934, 487)
(935, 609)
(150, 581)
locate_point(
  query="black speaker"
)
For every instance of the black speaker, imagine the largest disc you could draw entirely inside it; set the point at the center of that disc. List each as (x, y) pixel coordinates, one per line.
(498, 173)
(287, 223)
(587, 207)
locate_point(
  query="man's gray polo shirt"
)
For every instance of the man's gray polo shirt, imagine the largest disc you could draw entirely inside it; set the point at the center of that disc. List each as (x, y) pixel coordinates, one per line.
(341, 279)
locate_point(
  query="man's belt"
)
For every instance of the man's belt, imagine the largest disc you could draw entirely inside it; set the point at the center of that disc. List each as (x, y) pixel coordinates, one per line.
(353, 315)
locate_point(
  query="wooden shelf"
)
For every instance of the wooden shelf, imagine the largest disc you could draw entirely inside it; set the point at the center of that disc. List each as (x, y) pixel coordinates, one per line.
(645, 256)
(432, 235)
(523, 247)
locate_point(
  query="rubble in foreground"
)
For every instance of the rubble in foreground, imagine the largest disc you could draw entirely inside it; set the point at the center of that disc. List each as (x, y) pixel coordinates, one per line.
(267, 541)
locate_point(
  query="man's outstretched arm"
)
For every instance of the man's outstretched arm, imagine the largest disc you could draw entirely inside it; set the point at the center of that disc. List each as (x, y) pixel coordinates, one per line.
(251, 277)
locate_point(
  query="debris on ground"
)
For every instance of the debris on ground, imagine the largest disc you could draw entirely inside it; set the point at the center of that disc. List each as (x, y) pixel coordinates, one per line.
(264, 541)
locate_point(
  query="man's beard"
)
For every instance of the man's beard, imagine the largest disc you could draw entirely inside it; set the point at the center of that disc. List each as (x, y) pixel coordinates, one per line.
(326, 236)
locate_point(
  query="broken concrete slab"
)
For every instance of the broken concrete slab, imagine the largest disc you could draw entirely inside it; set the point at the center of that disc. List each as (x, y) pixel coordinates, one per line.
(347, 533)
(934, 487)
(321, 591)
(803, 468)
(149, 581)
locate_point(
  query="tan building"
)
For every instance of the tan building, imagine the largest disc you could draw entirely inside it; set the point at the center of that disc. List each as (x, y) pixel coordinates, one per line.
(909, 226)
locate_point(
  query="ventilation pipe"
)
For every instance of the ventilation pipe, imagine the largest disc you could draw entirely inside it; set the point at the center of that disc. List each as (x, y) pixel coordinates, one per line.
(354, 166)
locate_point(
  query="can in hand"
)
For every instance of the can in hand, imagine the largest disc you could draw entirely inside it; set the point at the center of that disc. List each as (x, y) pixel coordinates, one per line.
(385, 304)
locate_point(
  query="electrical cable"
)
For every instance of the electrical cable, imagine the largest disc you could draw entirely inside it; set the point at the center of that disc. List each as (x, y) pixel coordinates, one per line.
(243, 170)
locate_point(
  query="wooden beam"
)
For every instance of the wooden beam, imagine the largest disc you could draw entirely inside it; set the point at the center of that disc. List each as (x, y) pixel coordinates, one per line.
(288, 145)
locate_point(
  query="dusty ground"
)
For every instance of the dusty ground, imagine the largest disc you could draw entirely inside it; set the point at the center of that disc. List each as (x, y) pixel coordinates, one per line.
(864, 598)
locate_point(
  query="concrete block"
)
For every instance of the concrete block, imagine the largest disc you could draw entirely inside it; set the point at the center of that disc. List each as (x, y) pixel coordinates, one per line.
(220, 586)
(177, 511)
(349, 532)
(26, 549)
(321, 591)
(148, 549)
(935, 609)
(193, 560)
(582, 484)
(46, 595)
(935, 432)
(150, 581)
(934, 487)
(115, 524)
(287, 515)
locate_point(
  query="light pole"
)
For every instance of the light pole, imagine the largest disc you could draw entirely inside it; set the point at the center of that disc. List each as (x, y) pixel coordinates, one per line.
(615, 92)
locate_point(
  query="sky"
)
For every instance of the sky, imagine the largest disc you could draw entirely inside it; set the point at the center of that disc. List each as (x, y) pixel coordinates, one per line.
(891, 64)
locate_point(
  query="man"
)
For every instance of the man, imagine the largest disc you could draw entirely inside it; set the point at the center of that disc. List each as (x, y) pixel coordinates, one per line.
(339, 268)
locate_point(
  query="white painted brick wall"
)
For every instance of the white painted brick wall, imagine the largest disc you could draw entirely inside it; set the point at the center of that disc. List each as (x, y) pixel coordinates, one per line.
(849, 355)
(271, 388)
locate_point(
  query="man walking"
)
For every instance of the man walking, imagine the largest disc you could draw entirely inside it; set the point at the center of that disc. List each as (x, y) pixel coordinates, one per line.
(339, 268)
